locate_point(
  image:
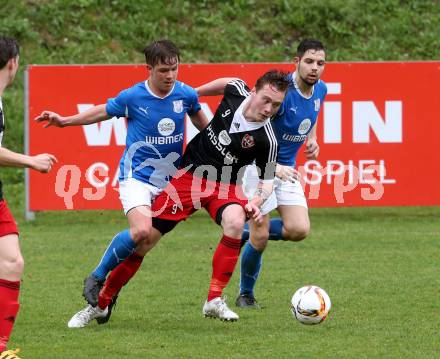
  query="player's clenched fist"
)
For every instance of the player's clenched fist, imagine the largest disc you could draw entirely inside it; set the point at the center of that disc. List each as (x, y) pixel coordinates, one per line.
(43, 162)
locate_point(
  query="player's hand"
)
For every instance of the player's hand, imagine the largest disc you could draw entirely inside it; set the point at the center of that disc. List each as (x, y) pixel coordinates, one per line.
(312, 150)
(287, 173)
(254, 212)
(43, 162)
(51, 119)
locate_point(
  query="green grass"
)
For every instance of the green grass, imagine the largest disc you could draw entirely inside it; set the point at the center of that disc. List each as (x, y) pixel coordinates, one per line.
(379, 266)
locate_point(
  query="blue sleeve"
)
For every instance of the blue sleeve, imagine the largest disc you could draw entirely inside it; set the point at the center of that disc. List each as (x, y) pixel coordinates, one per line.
(118, 106)
(194, 102)
(324, 90)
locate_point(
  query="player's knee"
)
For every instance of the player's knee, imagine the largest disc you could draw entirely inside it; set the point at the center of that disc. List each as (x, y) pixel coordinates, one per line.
(259, 238)
(140, 234)
(297, 232)
(234, 224)
(12, 267)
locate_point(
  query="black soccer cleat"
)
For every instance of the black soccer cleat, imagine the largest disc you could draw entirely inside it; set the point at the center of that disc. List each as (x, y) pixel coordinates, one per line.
(103, 320)
(247, 301)
(92, 286)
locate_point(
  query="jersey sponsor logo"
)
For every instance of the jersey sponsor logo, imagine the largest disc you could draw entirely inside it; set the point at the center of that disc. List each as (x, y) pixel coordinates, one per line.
(155, 140)
(304, 126)
(229, 157)
(317, 104)
(224, 138)
(247, 141)
(294, 138)
(166, 126)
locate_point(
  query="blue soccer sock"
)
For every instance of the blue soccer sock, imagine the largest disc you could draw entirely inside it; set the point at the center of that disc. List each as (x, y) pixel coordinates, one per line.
(245, 235)
(251, 261)
(120, 248)
(276, 229)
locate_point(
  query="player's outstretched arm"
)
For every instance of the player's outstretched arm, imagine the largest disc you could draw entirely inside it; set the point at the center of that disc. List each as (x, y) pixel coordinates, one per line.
(213, 88)
(42, 162)
(92, 115)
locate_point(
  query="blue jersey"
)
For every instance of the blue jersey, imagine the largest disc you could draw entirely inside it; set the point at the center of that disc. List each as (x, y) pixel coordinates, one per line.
(295, 118)
(155, 130)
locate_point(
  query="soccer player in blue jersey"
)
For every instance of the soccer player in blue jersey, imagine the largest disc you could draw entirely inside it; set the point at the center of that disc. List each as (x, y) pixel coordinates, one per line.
(155, 110)
(294, 124)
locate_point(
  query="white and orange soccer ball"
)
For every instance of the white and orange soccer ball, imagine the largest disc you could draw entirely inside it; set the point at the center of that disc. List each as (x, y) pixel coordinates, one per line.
(310, 304)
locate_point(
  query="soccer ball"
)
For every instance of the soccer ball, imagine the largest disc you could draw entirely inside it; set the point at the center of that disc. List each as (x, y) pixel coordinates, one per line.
(310, 304)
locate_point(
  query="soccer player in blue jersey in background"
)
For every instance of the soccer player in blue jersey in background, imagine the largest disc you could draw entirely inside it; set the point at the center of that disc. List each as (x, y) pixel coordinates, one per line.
(155, 110)
(294, 124)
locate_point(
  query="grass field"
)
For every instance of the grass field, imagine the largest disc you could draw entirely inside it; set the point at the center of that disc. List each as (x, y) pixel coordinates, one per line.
(379, 266)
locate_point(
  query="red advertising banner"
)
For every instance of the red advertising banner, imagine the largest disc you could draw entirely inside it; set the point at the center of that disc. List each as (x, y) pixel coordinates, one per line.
(376, 129)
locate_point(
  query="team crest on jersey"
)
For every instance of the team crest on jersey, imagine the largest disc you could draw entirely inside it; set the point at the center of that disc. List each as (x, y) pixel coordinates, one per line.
(304, 126)
(224, 138)
(178, 106)
(317, 104)
(247, 141)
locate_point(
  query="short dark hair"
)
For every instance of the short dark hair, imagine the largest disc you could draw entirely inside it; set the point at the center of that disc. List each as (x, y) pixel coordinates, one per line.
(309, 44)
(163, 51)
(8, 50)
(275, 78)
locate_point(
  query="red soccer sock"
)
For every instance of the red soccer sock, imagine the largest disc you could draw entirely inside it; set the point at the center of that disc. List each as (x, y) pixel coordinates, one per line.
(223, 264)
(9, 292)
(118, 278)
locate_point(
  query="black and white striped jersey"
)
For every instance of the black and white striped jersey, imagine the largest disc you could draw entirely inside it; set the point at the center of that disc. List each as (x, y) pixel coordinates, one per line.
(229, 143)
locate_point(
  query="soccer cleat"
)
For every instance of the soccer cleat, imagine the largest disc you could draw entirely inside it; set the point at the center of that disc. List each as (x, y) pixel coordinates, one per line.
(247, 301)
(9, 354)
(92, 286)
(103, 320)
(85, 316)
(217, 308)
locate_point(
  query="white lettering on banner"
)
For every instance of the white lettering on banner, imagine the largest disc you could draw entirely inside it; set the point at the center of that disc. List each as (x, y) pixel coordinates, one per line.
(368, 172)
(366, 117)
(102, 169)
(99, 134)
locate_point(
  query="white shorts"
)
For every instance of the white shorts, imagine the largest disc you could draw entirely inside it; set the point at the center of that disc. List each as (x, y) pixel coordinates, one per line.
(134, 193)
(284, 192)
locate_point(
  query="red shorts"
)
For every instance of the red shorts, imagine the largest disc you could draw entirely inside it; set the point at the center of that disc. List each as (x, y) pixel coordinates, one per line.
(187, 194)
(7, 222)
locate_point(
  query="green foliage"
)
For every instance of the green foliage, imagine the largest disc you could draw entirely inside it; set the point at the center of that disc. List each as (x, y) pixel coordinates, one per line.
(379, 266)
(116, 31)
